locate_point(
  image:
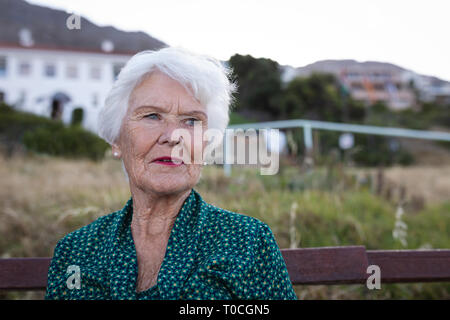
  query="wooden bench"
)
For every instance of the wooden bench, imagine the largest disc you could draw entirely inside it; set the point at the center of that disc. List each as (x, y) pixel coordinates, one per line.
(308, 266)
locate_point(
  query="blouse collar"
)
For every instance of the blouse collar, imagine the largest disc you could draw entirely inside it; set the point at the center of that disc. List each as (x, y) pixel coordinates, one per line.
(179, 256)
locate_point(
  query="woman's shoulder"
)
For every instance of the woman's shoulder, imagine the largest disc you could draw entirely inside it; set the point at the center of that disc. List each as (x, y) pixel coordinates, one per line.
(227, 220)
(96, 231)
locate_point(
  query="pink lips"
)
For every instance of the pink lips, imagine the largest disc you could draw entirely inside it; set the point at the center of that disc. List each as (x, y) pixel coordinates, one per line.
(168, 161)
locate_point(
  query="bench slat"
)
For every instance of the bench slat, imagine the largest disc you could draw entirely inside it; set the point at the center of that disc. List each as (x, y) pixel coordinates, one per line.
(24, 273)
(307, 266)
(326, 265)
(411, 265)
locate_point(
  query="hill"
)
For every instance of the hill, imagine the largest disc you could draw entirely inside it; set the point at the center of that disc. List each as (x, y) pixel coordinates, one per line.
(46, 28)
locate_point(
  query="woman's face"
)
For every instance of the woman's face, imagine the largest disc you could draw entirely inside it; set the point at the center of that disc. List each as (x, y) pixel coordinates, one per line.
(159, 107)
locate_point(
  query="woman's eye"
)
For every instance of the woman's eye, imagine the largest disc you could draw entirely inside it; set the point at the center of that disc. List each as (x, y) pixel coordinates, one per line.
(154, 115)
(192, 121)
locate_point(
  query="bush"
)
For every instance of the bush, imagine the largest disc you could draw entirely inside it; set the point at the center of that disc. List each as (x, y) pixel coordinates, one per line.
(73, 142)
(21, 130)
(14, 124)
(77, 116)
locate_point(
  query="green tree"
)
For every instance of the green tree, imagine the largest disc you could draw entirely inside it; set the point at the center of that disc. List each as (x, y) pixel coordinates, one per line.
(259, 82)
(320, 97)
(317, 96)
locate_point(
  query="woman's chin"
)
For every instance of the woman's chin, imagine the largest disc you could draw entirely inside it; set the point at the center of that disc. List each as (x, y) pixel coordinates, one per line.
(169, 188)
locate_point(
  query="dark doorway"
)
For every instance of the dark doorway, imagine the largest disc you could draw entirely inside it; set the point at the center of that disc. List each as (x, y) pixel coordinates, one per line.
(56, 109)
(58, 101)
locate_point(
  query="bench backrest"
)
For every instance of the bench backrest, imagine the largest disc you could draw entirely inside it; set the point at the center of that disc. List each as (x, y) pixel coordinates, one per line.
(310, 266)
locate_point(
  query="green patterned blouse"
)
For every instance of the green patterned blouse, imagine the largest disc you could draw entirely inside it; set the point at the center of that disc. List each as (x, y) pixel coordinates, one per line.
(212, 253)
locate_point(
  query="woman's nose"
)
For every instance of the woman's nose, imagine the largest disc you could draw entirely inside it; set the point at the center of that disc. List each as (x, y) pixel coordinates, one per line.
(170, 135)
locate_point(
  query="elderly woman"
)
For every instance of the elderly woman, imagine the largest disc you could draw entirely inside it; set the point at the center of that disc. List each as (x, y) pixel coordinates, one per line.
(167, 242)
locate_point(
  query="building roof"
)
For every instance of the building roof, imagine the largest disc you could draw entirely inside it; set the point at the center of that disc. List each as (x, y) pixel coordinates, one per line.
(31, 26)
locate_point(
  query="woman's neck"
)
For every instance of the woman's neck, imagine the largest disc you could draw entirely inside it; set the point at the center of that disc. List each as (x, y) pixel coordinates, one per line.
(155, 215)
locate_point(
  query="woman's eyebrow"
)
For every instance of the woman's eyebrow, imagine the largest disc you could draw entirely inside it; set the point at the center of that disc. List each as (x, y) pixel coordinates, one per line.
(193, 113)
(149, 107)
(163, 110)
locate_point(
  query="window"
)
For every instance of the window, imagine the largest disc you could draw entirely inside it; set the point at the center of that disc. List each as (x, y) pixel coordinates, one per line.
(378, 86)
(2, 66)
(116, 69)
(357, 86)
(22, 99)
(50, 70)
(96, 73)
(353, 75)
(24, 68)
(95, 100)
(72, 72)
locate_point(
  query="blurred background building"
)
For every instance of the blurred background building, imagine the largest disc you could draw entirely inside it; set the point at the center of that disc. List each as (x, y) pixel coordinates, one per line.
(372, 82)
(50, 70)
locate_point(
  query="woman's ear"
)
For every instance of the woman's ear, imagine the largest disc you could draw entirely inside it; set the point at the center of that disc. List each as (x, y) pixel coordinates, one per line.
(117, 153)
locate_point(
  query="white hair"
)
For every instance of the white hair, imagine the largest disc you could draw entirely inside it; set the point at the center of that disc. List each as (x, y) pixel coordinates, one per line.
(205, 77)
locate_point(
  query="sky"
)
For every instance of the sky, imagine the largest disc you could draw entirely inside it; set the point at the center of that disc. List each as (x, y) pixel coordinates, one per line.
(413, 34)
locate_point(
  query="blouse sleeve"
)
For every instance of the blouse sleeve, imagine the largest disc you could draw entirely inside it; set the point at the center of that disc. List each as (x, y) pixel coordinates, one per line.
(270, 269)
(56, 288)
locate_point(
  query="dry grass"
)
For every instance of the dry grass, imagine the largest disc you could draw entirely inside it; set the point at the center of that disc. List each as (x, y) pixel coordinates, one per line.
(430, 183)
(44, 198)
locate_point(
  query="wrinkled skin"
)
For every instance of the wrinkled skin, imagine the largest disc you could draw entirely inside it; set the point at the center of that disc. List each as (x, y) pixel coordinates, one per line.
(144, 137)
(158, 106)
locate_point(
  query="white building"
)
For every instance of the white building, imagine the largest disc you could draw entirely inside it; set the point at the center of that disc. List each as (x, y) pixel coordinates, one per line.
(53, 83)
(49, 70)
